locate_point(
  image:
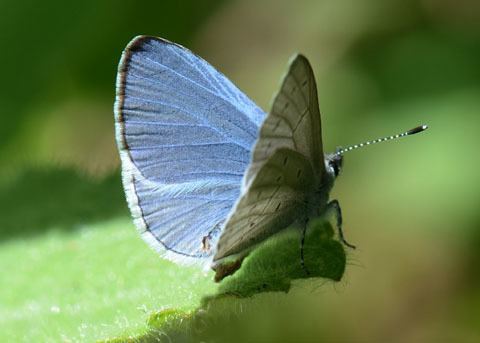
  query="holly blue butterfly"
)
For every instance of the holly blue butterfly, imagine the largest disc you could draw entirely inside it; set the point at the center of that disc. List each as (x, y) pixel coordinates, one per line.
(207, 174)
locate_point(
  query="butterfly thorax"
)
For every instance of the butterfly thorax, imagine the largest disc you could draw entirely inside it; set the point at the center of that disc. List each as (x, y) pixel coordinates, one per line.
(317, 201)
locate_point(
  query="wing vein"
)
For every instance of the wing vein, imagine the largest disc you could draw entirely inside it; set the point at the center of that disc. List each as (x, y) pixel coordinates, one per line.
(153, 147)
(150, 122)
(192, 115)
(284, 119)
(187, 96)
(219, 95)
(299, 87)
(192, 64)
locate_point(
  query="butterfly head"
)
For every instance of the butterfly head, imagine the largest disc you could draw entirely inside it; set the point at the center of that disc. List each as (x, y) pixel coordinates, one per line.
(334, 163)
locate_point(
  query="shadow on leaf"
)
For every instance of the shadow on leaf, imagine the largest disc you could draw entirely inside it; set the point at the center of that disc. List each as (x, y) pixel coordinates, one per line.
(62, 199)
(253, 301)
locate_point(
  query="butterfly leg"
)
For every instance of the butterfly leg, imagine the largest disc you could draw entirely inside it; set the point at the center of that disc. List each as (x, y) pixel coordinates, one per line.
(335, 206)
(302, 244)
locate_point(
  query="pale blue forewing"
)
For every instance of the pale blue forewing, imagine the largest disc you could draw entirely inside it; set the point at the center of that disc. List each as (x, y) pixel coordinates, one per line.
(185, 135)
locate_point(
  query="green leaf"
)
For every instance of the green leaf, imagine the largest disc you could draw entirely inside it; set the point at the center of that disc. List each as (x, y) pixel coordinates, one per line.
(270, 268)
(276, 262)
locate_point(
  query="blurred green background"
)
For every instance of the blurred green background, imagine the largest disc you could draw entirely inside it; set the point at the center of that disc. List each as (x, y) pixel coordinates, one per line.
(74, 269)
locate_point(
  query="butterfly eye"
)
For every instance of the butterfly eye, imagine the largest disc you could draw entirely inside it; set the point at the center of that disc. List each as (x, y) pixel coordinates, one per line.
(335, 167)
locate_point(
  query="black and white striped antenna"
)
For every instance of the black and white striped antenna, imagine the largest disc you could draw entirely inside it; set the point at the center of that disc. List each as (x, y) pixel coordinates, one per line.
(383, 139)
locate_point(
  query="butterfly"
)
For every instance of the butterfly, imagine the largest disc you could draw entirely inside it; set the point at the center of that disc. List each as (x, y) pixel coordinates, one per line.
(207, 174)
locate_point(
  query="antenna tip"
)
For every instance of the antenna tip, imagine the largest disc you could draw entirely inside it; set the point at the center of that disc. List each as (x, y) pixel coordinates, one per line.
(417, 129)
